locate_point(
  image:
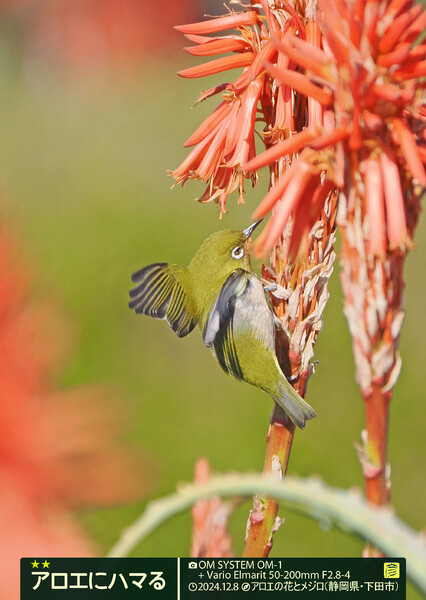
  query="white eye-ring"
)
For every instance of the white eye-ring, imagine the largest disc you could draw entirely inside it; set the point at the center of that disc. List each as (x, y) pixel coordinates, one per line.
(238, 252)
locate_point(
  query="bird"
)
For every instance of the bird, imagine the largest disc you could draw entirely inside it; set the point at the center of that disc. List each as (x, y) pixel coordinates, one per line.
(220, 292)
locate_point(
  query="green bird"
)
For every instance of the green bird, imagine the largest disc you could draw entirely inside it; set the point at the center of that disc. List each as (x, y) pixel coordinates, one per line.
(220, 292)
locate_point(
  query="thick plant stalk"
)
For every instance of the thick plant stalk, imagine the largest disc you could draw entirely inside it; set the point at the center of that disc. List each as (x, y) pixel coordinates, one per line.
(298, 301)
(263, 520)
(373, 287)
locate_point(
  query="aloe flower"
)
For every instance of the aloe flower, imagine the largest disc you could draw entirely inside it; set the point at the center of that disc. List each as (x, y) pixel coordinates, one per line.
(371, 148)
(343, 113)
(225, 141)
(371, 136)
(58, 449)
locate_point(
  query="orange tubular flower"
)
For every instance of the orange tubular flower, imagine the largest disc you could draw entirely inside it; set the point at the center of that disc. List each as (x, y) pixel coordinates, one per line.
(217, 66)
(300, 181)
(357, 68)
(219, 46)
(234, 20)
(368, 68)
(225, 141)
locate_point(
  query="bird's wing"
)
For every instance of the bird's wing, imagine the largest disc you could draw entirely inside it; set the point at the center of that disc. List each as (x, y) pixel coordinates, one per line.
(218, 330)
(160, 295)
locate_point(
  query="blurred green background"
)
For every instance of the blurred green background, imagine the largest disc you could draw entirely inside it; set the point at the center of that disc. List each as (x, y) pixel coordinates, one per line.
(82, 176)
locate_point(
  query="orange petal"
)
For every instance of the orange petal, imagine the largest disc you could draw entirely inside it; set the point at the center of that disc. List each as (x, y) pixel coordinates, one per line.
(211, 92)
(241, 83)
(331, 26)
(304, 59)
(301, 83)
(275, 193)
(371, 17)
(303, 216)
(219, 24)
(339, 166)
(209, 124)
(233, 128)
(394, 94)
(375, 208)
(283, 118)
(266, 95)
(248, 119)
(267, 53)
(300, 27)
(395, 57)
(301, 176)
(330, 139)
(314, 53)
(394, 202)
(372, 121)
(291, 145)
(219, 46)
(410, 151)
(416, 27)
(355, 137)
(212, 159)
(397, 27)
(181, 173)
(395, 7)
(217, 66)
(418, 52)
(411, 71)
(315, 110)
(198, 39)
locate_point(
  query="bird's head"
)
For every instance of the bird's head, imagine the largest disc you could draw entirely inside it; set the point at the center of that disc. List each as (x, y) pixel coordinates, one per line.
(223, 253)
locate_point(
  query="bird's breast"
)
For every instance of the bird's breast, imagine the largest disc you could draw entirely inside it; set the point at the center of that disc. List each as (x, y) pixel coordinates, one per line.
(253, 315)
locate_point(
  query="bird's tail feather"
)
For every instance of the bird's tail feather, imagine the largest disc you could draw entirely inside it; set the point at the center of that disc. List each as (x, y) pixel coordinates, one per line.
(296, 408)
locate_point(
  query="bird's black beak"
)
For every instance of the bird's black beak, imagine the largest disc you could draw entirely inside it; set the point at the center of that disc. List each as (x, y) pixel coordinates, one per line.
(247, 232)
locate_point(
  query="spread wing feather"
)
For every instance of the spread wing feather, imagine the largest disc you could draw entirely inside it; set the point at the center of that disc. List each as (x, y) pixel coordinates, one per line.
(219, 330)
(160, 295)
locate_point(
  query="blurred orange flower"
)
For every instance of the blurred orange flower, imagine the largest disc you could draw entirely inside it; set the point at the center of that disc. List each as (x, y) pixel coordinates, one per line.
(58, 450)
(210, 535)
(96, 35)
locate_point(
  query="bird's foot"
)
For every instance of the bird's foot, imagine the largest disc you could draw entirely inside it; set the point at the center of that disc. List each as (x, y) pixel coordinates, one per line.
(293, 378)
(277, 323)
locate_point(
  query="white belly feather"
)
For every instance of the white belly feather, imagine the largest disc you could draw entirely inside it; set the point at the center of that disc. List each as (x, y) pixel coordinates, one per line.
(253, 314)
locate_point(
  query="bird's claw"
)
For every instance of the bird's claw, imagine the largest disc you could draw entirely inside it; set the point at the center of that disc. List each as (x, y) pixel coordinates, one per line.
(293, 378)
(277, 323)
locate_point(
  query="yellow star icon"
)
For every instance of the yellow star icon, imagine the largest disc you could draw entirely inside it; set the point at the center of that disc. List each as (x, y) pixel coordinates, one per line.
(34, 564)
(46, 565)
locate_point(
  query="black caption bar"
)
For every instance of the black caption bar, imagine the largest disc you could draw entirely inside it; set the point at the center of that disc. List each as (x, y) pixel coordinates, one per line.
(211, 578)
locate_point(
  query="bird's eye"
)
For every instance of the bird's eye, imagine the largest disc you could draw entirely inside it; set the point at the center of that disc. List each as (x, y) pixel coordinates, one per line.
(237, 252)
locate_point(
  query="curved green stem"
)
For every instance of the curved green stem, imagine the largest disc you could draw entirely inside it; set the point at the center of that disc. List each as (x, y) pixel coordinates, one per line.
(345, 509)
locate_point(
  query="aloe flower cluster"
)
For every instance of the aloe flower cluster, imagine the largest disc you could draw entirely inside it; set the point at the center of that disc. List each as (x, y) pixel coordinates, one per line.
(333, 92)
(336, 82)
